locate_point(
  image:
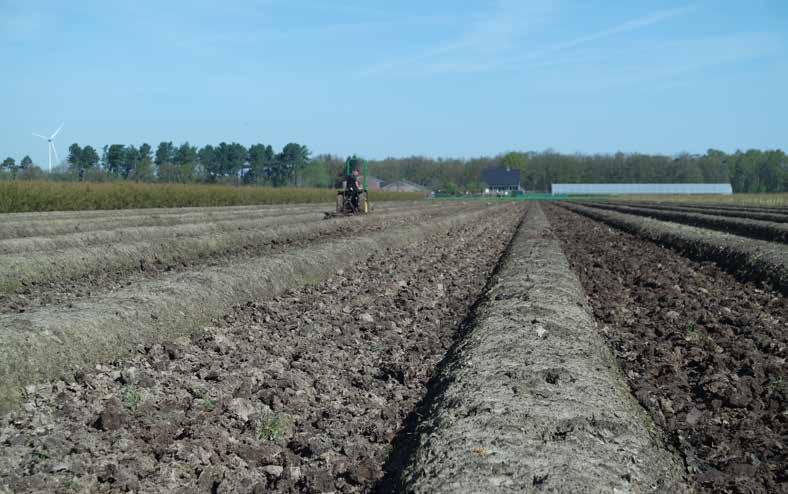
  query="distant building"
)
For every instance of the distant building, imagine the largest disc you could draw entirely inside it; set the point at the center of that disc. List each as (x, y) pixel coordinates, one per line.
(404, 186)
(614, 189)
(373, 183)
(501, 180)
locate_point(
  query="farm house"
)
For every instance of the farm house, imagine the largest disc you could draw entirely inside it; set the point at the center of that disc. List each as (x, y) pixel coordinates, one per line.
(501, 180)
(373, 183)
(404, 186)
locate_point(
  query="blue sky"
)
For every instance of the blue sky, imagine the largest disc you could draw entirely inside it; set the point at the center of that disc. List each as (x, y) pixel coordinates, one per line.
(439, 78)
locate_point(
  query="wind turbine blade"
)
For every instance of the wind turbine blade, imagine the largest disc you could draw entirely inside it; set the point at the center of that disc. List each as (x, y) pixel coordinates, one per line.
(57, 158)
(58, 130)
(39, 135)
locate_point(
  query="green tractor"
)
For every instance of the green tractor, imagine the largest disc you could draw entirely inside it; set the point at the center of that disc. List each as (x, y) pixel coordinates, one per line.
(353, 197)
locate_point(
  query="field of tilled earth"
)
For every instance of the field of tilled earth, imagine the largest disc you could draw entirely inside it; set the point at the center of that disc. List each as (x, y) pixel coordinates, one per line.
(426, 347)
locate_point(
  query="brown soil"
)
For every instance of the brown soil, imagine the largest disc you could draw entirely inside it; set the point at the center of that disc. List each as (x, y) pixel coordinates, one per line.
(764, 230)
(735, 207)
(300, 393)
(749, 259)
(703, 352)
(771, 215)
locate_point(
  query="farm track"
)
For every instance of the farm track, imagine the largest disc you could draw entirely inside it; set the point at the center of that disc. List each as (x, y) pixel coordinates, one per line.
(704, 353)
(749, 259)
(298, 393)
(530, 399)
(32, 274)
(762, 230)
(109, 220)
(773, 217)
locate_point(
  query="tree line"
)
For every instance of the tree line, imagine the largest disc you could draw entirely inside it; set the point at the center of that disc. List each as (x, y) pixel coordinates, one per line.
(750, 171)
(222, 163)
(746, 171)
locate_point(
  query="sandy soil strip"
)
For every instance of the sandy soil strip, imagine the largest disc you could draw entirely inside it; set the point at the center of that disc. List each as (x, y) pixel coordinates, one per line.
(85, 222)
(119, 213)
(135, 233)
(19, 269)
(750, 259)
(531, 398)
(20, 229)
(201, 225)
(44, 344)
(763, 230)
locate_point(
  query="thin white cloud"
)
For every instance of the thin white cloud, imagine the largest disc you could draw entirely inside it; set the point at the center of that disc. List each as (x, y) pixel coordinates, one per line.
(628, 26)
(488, 34)
(661, 65)
(493, 36)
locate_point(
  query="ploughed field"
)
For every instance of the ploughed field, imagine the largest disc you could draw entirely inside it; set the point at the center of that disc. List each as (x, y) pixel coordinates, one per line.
(702, 344)
(426, 347)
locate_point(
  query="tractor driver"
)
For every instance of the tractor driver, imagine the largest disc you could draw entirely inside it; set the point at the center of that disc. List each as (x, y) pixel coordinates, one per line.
(354, 188)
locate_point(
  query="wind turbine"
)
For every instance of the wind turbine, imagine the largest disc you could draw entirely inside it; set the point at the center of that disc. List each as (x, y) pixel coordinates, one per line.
(51, 148)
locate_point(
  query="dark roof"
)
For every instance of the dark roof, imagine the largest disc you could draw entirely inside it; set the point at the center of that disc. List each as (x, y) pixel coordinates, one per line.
(495, 177)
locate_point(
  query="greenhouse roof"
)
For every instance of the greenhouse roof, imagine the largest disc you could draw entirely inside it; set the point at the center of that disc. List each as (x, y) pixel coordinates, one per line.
(613, 189)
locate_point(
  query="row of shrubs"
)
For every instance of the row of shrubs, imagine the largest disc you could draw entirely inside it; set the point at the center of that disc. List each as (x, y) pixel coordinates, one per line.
(24, 196)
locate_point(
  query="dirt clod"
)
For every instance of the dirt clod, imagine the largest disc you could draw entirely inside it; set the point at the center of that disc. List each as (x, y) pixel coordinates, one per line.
(689, 334)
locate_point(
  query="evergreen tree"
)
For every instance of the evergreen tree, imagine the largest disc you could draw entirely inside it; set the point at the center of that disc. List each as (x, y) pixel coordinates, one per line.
(74, 157)
(165, 154)
(115, 157)
(9, 164)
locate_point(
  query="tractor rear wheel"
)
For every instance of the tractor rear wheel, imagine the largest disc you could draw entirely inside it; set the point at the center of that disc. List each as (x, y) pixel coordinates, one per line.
(363, 203)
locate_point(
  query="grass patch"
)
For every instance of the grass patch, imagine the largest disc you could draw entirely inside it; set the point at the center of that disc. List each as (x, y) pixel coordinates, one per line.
(777, 385)
(18, 197)
(271, 427)
(40, 455)
(131, 398)
(72, 485)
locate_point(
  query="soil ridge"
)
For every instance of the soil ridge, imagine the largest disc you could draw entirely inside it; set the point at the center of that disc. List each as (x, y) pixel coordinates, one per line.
(531, 398)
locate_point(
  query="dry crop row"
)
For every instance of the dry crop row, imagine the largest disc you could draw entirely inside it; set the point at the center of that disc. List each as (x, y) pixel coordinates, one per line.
(61, 235)
(48, 224)
(86, 254)
(23, 196)
(45, 343)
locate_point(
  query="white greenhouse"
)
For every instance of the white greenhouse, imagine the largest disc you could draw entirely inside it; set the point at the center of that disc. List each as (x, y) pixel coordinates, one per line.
(614, 189)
